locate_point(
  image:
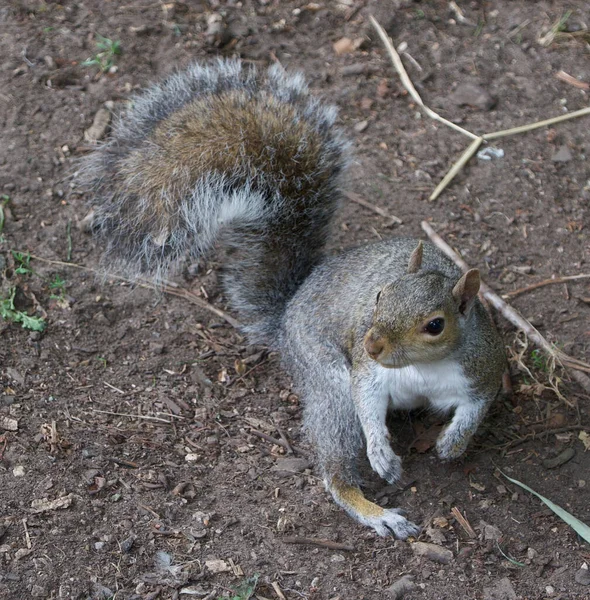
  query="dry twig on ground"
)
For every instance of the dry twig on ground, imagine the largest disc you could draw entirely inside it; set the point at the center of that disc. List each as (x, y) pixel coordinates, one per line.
(477, 139)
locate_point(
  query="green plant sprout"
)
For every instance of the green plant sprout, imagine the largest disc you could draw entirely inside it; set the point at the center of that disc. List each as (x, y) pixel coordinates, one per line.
(104, 59)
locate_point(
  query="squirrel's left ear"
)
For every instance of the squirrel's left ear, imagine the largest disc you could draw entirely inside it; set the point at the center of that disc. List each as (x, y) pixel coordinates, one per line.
(415, 261)
(465, 290)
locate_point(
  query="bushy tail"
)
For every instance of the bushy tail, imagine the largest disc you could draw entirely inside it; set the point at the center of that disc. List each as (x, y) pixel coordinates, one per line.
(220, 150)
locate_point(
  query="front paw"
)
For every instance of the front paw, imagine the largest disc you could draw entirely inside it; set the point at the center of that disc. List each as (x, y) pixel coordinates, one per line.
(451, 444)
(384, 461)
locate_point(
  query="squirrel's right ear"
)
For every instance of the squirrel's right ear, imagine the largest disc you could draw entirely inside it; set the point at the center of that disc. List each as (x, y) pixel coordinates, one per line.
(466, 289)
(415, 261)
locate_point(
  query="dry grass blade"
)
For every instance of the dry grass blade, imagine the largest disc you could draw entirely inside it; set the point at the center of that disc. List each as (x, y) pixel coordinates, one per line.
(407, 82)
(471, 150)
(512, 315)
(522, 128)
(567, 78)
(465, 524)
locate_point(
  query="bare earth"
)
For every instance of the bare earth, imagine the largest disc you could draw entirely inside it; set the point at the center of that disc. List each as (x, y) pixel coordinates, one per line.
(138, 413)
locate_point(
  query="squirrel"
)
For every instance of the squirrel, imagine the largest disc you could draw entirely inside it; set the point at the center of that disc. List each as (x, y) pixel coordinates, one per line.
(222, 152)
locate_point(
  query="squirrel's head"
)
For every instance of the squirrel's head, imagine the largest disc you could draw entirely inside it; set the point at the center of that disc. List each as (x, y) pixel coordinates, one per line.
(418, 318)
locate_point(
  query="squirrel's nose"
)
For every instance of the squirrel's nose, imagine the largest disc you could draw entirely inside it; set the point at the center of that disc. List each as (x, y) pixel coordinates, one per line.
(374, 344)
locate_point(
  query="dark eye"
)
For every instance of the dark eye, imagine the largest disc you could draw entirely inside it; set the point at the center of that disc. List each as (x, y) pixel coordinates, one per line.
(435, 327)
(378, 296)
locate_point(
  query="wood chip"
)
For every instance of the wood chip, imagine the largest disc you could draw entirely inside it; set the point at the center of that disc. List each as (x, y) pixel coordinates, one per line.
(44, 505)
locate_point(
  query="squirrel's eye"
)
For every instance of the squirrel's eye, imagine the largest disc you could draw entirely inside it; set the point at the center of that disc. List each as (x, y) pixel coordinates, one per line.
(378, 296)
(435, 327)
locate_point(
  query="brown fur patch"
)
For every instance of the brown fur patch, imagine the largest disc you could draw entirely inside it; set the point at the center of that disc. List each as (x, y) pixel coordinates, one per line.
(233, 134)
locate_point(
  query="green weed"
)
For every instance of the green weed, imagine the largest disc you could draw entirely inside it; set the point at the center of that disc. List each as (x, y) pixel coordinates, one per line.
(9, 313)
(57, 287)
(22, 263)
(107, 51)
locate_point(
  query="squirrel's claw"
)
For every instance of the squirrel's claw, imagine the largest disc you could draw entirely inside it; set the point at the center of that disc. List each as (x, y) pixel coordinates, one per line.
(392, 523)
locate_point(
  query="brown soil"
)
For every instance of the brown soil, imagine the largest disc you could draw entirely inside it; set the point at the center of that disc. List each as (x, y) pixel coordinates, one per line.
(130, 404)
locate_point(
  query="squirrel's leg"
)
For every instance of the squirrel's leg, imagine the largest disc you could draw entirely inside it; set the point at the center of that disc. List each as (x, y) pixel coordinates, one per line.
(372, 401)
(332, 424)
(385, 521)
(455, 437)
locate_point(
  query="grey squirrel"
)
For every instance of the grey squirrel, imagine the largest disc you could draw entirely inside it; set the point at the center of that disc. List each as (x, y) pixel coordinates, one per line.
(223, 152)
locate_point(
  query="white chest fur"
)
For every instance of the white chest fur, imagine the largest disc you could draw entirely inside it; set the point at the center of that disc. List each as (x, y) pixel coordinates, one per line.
(442, 385)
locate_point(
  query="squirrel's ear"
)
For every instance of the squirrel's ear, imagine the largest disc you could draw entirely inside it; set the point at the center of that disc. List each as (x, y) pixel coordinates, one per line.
(466, 289)
(415, 261)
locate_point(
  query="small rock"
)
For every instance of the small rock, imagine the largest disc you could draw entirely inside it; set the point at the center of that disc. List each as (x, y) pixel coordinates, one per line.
(361, 126)
(38, 592)
(582, 576)
(337, 558)
(531, 553)
(560, 459)
(48, 60)
(21, 553)
(436, 535)
(156, 348)
(18, 471)
(469, 94)
(191, 457)
(401, 587)
(127, 544)
(99, 126)
(563, 155)
(432, 552)
(490, 532)
(286, 467)
(346, 45)
(501, 590)
(98, 546)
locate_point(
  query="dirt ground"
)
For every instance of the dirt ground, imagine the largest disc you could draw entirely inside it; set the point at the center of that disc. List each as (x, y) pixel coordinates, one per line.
(142, 440)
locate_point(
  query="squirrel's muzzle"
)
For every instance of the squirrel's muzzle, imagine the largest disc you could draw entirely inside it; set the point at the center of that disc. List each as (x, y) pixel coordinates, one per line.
(374, 344)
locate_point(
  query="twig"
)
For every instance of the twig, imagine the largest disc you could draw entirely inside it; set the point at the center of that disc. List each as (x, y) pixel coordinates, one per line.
(116, 389)
(463, 522)
(563, 76)
(278, 590)
(284, 438)
(535, 434)
(27, 536)
(168, 287)
(305, 541)
(534, 286)
(510, 313)
(407, 82)
(131, 416)
(471, 150)
(269, 438)
(376, 209)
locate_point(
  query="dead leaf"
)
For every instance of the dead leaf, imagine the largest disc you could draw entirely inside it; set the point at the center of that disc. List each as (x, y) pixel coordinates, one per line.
(425, 437)
(585, 439)
(217, 566)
